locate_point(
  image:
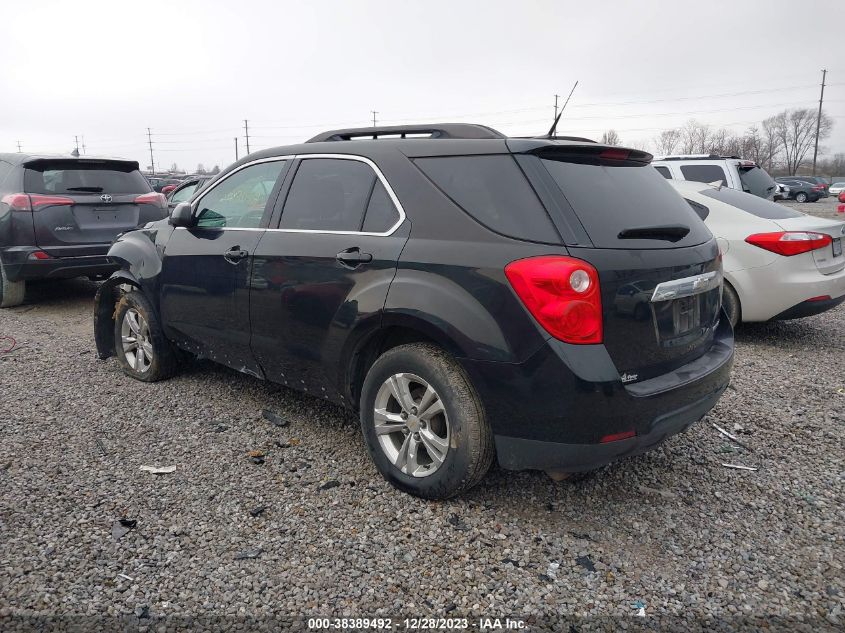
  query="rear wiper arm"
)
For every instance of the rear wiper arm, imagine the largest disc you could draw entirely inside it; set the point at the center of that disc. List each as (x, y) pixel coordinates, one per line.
(91, 189)
(668, 232)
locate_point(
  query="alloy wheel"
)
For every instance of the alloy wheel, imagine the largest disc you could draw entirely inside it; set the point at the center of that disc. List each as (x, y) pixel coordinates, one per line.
(411, 424)
(136, 340)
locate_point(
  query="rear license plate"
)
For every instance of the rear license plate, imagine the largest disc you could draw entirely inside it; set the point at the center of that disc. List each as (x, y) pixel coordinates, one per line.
(686, 314)
(837, 246)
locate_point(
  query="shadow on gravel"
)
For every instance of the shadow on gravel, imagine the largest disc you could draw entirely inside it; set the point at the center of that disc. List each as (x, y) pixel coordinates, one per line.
(783, 331)
(59, 292)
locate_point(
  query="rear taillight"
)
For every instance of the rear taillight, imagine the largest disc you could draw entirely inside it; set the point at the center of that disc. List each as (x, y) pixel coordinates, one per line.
(157, 199)
(562, 293)
(33, 202)
(789, 243)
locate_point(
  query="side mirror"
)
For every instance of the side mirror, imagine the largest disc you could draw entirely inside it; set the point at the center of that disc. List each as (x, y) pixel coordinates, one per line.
(182, 215)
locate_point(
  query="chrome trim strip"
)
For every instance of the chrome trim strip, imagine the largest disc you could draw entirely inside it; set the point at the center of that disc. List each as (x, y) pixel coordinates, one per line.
(362, 159)
(686, 287)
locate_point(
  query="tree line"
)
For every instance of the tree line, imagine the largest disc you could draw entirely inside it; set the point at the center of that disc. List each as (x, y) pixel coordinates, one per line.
(781, 144)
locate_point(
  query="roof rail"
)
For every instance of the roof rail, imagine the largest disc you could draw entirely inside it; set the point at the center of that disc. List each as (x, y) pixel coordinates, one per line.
(432, 130)
(697, 157)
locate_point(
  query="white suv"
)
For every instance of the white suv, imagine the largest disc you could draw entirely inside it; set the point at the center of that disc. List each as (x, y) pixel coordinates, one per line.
(729, 171)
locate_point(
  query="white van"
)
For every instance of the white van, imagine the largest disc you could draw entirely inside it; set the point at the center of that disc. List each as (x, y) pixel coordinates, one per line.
(729, 171)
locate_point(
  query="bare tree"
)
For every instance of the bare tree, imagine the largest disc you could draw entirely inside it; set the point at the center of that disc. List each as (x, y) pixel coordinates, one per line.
(611, 138)
(666, 142)
(695, 137)
(200, 169)
(721, 142)
(795, 131)
(215, 170)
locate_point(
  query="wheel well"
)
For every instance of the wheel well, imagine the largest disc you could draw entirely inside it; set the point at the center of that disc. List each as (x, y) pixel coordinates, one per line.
(374, 347)
(105, 304)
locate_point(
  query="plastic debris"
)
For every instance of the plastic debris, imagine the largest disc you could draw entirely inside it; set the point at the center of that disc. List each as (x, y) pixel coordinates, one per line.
(257, 511)
(248, 553)
(101, 446)
(739, 466)
(586, 563)
(455, 521)
(730, 436)
(122, 527)
(129, 578)
(7, 344)
(331, 483)
(639, 605)
(274, 418)
(159, 470)
(551, 572)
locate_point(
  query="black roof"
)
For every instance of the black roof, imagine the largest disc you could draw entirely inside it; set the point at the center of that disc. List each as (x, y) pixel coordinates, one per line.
(430, 130)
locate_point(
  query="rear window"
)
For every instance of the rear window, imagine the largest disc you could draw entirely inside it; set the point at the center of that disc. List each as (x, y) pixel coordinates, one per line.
(704, 173)
(494, 191)
(79, 177)
(752, 204)
(611, 199)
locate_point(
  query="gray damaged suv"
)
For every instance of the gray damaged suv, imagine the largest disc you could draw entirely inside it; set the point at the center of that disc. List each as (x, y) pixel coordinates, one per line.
(60, 214)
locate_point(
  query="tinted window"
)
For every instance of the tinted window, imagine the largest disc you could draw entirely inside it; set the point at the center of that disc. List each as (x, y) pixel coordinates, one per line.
(381, 212)
(757, 181)
(493, 190)
(664, 171)
(752, 204)
(608, 200)
(704, 173)
(183, 194)
(328, 194)
(79, 177)
(240, 200)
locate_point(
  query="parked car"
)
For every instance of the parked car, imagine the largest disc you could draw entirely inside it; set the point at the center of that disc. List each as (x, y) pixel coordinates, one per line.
(842, 196)
(186, 189)
(801, 191)
(487, 330)
(59, 214)
(816, 180)
(782, 192)
(729, 171)
(158, 184)
(779, 263)
(836, 188)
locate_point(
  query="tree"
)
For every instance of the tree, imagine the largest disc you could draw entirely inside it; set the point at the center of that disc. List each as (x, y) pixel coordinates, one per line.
(611, 138)
(795, 131)
(695, 138)
(201, 169)
(667, 141)
(215, 170)
(174, 168)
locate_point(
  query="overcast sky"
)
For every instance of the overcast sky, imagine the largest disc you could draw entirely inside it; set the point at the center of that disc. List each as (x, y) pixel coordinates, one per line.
(192, 71)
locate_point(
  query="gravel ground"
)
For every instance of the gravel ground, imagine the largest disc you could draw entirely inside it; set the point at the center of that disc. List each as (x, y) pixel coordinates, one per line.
(695, 542)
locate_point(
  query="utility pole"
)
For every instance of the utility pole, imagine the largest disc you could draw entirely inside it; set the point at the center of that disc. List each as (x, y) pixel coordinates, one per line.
(236, 148)
(83, 144)
(19, 147)
(374, 117)
(152, 161)
(819, 122)
(555, 119)
(246, 132)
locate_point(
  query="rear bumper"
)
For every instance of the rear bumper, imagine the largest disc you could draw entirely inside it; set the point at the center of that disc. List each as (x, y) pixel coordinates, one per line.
(552, 411)
(19, 265)
(808, 308)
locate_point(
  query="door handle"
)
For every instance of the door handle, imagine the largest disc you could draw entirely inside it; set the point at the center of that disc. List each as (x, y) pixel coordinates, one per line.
(235, 255)
(353, 257)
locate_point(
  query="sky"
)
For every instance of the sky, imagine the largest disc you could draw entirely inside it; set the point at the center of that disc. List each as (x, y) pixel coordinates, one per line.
(191, 72)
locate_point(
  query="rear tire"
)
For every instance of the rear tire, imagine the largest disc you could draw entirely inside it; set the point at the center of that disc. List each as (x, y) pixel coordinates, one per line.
(801, 197)
(445, 453)
(11, 292)
(139, 343)
(730, 302)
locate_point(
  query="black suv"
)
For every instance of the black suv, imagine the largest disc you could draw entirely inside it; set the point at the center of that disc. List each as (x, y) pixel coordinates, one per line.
(59, 215)
(454, 286)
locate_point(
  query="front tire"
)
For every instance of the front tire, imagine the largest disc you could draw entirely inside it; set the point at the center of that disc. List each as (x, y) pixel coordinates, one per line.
(801, 197)
(11, 292)
(423, 423)
(730, 302)
(139, 343)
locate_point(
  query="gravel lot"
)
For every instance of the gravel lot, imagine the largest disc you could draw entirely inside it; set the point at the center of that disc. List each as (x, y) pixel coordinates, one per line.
(695, 542)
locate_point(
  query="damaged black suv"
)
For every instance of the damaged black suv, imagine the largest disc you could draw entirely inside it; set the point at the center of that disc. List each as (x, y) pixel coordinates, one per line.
(470, 295)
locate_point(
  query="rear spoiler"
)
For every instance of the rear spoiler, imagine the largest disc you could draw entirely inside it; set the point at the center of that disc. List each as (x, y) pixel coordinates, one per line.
(588, 153)
(36, 162)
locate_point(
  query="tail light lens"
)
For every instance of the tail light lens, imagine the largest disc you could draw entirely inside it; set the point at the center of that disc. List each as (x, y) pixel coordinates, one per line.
(789, 243)
(157, 199)
(33, 202)
(562, 293)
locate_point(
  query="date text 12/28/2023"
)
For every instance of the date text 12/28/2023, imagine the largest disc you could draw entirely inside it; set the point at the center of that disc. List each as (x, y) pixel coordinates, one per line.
(417, 624)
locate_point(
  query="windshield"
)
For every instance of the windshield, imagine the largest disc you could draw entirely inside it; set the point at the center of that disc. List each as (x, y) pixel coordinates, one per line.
(755, 180)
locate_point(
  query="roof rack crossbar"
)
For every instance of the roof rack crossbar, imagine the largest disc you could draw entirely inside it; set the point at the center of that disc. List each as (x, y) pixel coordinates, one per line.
(435, 130)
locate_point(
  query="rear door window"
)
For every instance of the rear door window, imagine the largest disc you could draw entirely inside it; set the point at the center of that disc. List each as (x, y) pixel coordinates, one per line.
(328, 194)
(704, 173)
(611, 199)
(79, 177)
(664, 171)
(754, 205)
(494, 191)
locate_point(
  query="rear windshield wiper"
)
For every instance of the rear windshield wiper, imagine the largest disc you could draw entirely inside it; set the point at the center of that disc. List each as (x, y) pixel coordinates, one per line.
(668, 232)
(91, 189)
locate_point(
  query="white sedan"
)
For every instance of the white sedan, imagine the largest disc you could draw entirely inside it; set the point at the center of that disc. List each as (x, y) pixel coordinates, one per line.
(778, 263)
(836, 188)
